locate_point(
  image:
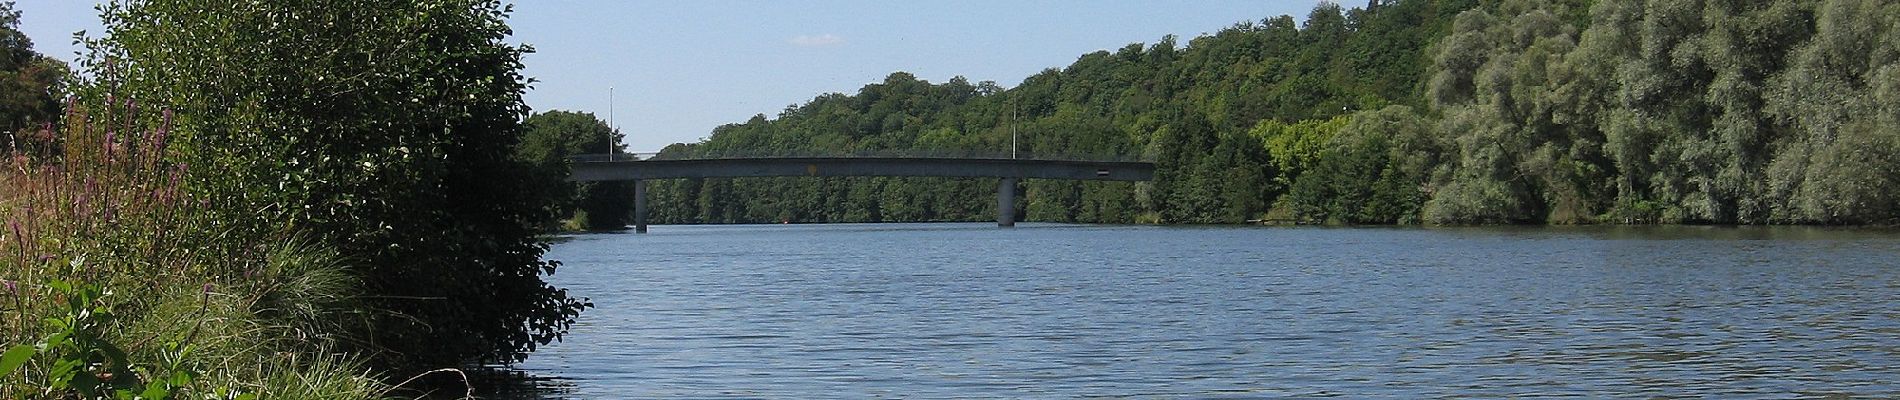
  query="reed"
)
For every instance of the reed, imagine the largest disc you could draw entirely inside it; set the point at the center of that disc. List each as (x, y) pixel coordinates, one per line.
(116, 281)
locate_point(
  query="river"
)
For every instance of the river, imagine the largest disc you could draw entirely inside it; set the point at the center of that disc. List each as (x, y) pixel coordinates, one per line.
(1065, 311)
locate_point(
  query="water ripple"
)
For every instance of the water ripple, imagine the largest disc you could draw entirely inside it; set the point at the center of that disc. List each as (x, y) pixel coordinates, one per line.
(1052, 311)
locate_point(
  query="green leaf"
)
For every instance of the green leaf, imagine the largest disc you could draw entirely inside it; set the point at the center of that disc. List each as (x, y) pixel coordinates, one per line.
(58, 340)
(155, 391)
(179, 379)
(15, 357)
(113, 353)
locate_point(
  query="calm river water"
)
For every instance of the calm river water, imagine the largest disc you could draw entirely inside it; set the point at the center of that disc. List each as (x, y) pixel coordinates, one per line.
(1058, 311)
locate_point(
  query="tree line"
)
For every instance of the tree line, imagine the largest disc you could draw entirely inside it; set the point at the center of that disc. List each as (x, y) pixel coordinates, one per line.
(1406, 111)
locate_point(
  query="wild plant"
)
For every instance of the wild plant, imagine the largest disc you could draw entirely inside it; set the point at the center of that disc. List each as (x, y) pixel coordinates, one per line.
(88, 205)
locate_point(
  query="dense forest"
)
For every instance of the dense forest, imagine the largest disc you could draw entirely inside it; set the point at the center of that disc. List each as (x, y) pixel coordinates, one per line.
(1407, 111)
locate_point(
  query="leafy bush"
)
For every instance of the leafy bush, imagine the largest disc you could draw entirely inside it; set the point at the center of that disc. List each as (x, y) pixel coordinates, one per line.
(381, 129)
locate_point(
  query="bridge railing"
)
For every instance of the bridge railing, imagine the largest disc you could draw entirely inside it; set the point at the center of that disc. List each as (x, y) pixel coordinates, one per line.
(612, 157)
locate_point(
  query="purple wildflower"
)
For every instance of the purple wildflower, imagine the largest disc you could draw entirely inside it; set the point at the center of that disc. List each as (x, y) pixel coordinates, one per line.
(112, 143)
(164, 130)
(9, 284)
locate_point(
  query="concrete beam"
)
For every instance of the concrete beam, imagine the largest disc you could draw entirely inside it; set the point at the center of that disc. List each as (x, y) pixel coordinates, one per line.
(823, 167)
(1010, 171)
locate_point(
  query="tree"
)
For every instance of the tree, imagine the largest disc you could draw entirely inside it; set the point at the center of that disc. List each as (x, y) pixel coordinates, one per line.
(548, 139)
(1842, 92)
(1375, 170)
(384, 129)
(31, 84)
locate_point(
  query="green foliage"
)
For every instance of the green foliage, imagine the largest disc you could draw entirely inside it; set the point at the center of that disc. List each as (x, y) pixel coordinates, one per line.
(385, 130)
(1668, 111)
(1376, 170)
(1835, 163)
(548, 140)
(95, 202)
(1520, 111)
(31, 84)
(1296, 148)
(80, 361)
(1202, 111)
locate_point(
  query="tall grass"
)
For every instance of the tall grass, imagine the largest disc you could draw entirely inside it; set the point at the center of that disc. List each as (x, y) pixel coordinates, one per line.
(96, 226)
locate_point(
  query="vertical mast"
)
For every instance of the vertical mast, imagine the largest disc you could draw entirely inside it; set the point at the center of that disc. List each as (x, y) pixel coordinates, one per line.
(611, 129)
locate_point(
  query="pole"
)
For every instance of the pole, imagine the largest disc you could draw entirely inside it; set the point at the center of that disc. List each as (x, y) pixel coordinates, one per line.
(610, 131)
(1012, 130)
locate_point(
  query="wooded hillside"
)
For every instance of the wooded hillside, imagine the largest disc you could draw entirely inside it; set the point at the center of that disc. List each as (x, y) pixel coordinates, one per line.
(1409, 111)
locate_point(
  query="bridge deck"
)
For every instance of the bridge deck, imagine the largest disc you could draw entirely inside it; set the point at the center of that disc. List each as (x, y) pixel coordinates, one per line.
(943, 167)
(1011, 171)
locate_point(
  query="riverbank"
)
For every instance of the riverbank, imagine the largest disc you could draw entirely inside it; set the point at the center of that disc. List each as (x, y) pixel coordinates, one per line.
(116, 281)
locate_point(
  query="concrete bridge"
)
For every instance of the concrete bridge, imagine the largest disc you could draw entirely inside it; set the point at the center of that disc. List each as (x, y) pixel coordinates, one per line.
(1010, 171)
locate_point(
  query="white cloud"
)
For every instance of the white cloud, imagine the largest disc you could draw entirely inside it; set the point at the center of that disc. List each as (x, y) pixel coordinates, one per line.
(817, 40)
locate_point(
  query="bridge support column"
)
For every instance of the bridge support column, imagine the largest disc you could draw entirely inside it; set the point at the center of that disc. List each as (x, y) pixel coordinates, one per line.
(639, 206)
(1006, 202)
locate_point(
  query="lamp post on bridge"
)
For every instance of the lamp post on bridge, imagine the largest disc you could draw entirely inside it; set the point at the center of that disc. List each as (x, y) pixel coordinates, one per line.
(1012, 129)
(611, 129)
(1006, 188)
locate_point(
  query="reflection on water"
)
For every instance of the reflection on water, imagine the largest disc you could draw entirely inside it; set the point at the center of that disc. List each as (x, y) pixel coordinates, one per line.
(968, 310)
(501, 383)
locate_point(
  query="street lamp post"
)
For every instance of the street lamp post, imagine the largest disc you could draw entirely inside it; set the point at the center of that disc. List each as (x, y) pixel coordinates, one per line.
(610, 123)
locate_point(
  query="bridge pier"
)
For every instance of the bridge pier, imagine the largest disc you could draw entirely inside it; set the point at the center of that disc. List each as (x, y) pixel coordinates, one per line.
(639, 206)
(1006, 202)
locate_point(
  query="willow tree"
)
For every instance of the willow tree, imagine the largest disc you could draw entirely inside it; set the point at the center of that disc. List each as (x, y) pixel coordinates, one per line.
(1515, 164)
(1841, 164)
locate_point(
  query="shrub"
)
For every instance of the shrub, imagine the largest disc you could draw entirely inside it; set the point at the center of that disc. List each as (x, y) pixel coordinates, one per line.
(382, 129)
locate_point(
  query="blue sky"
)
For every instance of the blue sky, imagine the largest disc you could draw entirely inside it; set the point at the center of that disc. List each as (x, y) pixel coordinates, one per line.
(679, 68)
